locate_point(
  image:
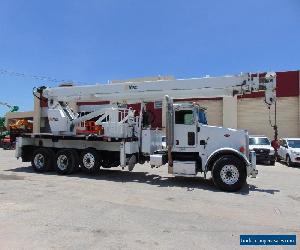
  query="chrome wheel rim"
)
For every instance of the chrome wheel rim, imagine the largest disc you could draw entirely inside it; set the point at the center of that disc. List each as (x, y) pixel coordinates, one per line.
(62, 162)
(88, 160)
(229, 174)
(39, 161)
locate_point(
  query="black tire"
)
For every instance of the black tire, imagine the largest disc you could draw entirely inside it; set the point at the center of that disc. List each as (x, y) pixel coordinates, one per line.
(42, 160)
(66, 161)
(90, 161)
(277, 157)
(288, 161)
(272, 163)
(229, 173)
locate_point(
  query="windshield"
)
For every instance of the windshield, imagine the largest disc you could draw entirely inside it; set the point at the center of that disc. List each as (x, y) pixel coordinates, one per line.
(294, 143)
(202, 117)
(259, 141)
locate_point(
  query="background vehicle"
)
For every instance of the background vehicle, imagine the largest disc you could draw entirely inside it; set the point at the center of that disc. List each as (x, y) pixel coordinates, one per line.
(16, 129)
(164, 142)
(4, 132)
(7, 143)
(289, 150)
(263, 149)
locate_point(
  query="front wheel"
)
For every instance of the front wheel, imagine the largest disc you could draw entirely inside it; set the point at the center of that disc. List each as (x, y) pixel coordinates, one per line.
(277, 158)
(229, 173)
(288, 161)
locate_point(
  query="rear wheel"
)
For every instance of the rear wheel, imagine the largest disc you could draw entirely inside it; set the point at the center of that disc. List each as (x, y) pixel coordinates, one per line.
(42, 159)
(90, 161)
(229, 173)
(66, 161)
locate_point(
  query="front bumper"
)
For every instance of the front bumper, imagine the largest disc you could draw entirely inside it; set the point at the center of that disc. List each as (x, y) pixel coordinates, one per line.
(295, 158)
(251, 168)
(265, 157)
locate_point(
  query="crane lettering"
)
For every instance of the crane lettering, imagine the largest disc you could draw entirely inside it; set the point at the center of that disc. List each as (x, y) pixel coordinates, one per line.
(132, 87)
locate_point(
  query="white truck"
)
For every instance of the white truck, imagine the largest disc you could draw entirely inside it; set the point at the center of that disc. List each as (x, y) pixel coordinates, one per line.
(263, 149)
(289, 151)
(124, 139)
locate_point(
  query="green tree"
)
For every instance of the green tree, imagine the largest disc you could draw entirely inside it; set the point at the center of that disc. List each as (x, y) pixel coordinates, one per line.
(2, 121)
(2, 128)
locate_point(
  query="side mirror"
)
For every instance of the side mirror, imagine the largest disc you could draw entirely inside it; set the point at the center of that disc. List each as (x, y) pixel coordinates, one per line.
(286, 146)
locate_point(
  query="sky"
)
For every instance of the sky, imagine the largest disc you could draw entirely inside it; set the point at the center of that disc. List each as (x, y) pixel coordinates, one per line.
(94, 41)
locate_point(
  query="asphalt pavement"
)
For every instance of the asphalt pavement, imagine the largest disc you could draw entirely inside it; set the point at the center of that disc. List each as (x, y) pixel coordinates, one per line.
(143, 209)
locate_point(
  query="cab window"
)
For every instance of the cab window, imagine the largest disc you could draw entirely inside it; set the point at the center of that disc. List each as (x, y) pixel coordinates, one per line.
(259, 141)
(284, 144)
(294, 143)
(184, 117)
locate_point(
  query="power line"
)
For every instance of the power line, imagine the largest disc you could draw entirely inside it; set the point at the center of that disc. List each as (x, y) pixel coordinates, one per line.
(36, 77)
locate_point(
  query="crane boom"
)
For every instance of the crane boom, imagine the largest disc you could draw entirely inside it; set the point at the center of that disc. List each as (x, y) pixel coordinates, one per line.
(62, 118)
(156, 90)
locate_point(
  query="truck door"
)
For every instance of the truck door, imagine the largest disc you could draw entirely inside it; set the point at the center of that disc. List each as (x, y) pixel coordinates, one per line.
(185, 129)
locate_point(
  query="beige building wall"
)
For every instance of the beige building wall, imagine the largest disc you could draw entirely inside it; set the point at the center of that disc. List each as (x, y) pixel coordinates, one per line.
(214, 111)
(37, 116)
(253, 115)
(288, 116)
(12, 116)
(230, 112)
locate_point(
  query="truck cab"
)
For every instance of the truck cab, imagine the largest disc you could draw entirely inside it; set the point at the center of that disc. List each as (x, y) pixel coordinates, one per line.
(198, 147)
(185, 126)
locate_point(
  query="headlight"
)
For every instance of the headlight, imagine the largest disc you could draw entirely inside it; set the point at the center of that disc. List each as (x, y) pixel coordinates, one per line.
(272, 151)
(294, 152)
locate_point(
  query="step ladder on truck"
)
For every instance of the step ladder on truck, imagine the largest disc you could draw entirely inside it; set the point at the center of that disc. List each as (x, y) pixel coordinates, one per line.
(192, 146)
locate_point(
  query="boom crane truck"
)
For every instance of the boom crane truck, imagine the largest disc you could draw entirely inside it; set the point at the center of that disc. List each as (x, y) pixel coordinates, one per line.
(123, 139)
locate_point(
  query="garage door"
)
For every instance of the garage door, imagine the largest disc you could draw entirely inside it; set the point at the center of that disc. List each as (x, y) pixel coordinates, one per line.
(253, 116)
(214, 111)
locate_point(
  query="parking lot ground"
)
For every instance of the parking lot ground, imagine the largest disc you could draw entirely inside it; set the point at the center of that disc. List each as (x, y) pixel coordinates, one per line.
(143, 209)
